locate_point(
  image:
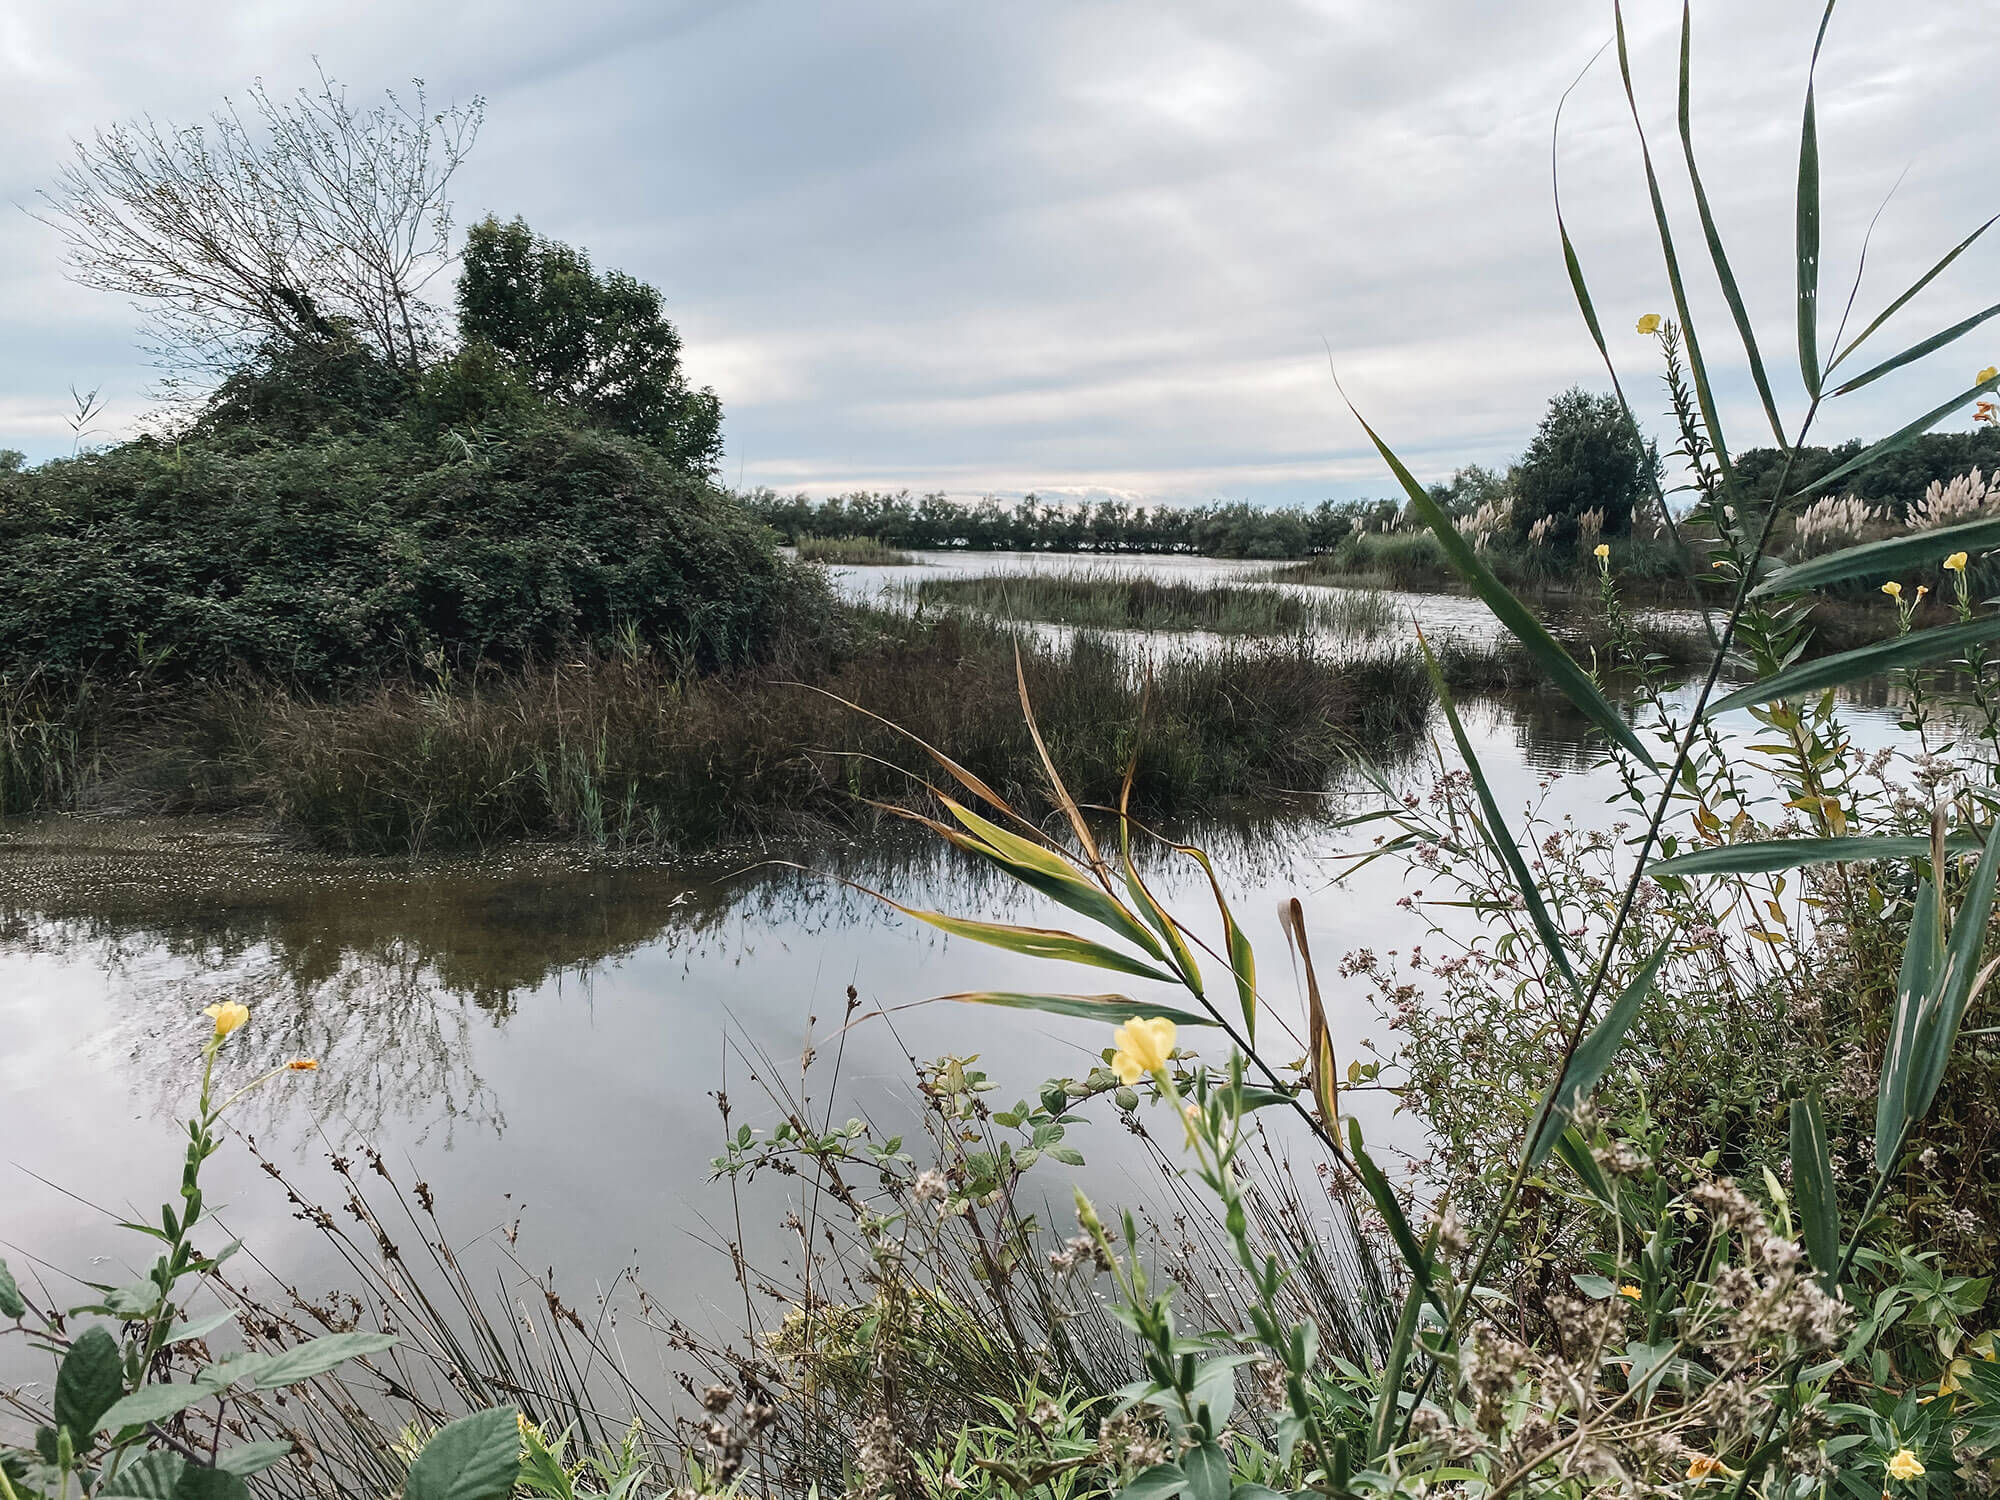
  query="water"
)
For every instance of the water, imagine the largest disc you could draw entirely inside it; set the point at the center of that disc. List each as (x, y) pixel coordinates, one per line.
(543, 1040)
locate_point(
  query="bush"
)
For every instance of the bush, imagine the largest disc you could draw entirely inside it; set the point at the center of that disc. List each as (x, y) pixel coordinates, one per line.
(326, 521)
(1585, 456)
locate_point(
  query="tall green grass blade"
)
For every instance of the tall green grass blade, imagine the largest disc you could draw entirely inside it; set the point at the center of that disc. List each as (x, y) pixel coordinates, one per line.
(1242, 958)
(1923, 957)
(1389, 1401)
(1391, 1208)
(1921, 282)
(1592, 1056)
(1767, 855)
(1807, 223)
(1918, 350)
(1723, 271)
(1321, 1074)
(1663, 227)
(1033, 942)
(1160, 919)
(1112, 1010)
(1893, 441)
(1561, 669)
(1498, 839)
(1862, 662)
(1877, 561)
(1812, 1187)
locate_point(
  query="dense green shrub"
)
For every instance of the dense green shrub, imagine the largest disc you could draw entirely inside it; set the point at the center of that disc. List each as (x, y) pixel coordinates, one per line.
(327, 520)
(1585, 456)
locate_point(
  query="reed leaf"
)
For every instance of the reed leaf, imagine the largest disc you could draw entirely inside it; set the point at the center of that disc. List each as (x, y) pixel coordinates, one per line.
(1561, 669)
(1113, 1010)
(1807, 223)
(1892, 442)
(1242, 957)
(1918, 350)
(1592, 1056)
(1917, 286)
(1390, 1207)
(1886, 558)
(1766, 855)
(1321, 1064)
(1813, 1188)
(1494, 827)
(1863, 661)
(1034, 942)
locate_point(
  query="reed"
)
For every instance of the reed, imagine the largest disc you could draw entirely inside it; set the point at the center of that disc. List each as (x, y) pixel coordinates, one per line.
(1099, 599)
(851, 551)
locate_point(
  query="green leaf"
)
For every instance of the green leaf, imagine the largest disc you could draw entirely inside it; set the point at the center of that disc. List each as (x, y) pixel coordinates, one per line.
(1883, 560)
(1242, 959)
(1917, 286)
(1555, 663)
(180, 1333)
(88, 1383)
(1035, 942)
(1813, 1187)
(198, 1482)
(1592, 1056)
(1207, 1471)
(1386, 1203)
(1494, 827)
(1161, 1482)
(153, 1476)
(316, 1357)
(11, 1303)
(1918, 350)
(1807, 221)
(246, 1459)
(1599, 1287)
(1723, 272)
(1923, 957)
(1112, 1010)
(155, 1403)
(1810, 677)
(1892, 442)
(474, 1458)
(1765, 855)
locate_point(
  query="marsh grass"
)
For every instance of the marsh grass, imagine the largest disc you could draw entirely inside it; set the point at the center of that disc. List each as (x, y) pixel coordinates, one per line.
(1097, 599)
(851, 551)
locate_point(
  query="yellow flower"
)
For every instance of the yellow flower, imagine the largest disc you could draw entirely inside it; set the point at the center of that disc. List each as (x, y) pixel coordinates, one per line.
(1631, 1291)
(1704, 1466)
(227, 1017)
(1955, 563)
(1893, 589)
(1904, 1465)
(304, 1065)
(1985, 375)
(1601, 551)
(1650, 323)
(1143, 1047)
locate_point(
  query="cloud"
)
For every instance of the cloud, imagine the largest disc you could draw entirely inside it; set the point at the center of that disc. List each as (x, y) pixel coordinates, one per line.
(1083, 245)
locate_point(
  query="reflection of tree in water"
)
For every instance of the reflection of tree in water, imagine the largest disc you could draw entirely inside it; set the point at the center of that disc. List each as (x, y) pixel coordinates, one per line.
(385, 975)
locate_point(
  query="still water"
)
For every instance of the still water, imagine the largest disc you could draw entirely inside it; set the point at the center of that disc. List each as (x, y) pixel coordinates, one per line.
(542, 1039)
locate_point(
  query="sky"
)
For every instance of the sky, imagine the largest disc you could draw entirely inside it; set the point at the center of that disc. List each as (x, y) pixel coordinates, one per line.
(1089, 248)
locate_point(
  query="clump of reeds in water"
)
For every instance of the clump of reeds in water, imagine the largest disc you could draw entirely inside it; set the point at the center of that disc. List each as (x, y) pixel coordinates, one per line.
(1099, 599)
(851, 551)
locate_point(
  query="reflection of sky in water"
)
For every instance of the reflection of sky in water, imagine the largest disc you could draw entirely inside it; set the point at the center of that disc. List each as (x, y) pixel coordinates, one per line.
(557, 1035)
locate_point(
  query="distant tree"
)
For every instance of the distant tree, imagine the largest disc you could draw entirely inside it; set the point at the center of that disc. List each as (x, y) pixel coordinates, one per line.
(597, 344)
(1584, 456)
(315, 219)
(1470, 487)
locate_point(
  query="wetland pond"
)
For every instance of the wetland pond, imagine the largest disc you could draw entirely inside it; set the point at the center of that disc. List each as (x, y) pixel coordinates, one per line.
(542, 1037)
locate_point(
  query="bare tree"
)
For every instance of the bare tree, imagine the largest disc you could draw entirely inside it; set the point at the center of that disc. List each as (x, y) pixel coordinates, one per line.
(309, 218)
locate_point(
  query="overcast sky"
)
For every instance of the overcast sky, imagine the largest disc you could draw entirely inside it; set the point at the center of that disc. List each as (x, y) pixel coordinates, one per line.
(1082, 247)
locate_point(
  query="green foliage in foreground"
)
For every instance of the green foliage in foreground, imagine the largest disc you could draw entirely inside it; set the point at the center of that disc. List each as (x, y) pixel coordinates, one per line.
(328, 522)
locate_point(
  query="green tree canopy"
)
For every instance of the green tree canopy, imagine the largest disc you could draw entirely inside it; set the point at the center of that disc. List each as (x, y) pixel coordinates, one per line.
(1584, 456)
(598, 344)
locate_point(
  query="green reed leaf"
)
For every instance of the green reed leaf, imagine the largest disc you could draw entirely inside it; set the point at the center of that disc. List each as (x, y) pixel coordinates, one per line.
(1918, 350)
(1723, 271)
(1807, 223)
(1917, 286)
(1893, 441)
(11, 1303)
(1804, 678)
(1494, 827)
(1923, 957)
(1381, 1437)
(1113, 1010)
(1813, 1187)
(1390, 1207)
(1880, 561)
(1035, 942)
(1556, 664)
(1766, 855)
(1592, 1056)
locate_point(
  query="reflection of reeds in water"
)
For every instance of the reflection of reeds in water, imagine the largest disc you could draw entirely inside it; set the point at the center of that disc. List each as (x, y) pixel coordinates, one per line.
(1103, 600)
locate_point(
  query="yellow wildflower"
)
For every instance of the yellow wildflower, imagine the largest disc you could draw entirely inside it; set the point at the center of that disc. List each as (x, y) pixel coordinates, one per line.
(1631, 1291)
(1650, 323)
(1923, 589)
(304, 1065)
(1601, 551)
(1143, 1047)
(1955, 563)
(1985, 375)
(227, 1017)
(1704, 1466)
(1904, 1465)
(1893, 589)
